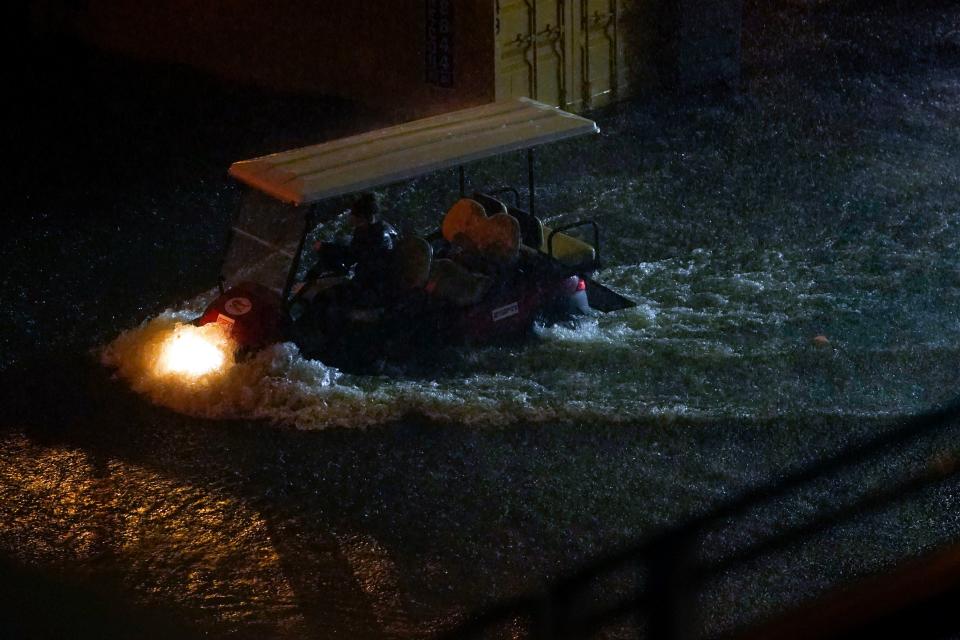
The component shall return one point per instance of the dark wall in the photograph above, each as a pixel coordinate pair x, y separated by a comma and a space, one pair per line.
370, 51
708, 42
684, 44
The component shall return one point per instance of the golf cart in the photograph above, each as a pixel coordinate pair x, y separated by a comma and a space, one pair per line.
488, 271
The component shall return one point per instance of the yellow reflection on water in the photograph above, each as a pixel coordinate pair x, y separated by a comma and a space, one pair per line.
171, 541
195, 545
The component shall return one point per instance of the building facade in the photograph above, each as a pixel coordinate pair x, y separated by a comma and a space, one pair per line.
421, 57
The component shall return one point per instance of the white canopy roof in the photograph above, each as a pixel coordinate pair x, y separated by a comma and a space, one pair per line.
405, 151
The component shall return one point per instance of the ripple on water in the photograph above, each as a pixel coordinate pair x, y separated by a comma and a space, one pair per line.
706, 340
723, 328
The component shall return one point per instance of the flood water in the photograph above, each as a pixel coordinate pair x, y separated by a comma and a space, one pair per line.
794, 251
834, 294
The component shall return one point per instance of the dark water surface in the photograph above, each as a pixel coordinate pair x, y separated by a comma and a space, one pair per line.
289, 499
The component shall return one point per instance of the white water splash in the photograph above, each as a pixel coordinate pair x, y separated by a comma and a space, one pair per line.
279, 385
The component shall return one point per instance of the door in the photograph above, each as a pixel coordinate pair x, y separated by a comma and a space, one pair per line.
531, 40
562, 52
597, 36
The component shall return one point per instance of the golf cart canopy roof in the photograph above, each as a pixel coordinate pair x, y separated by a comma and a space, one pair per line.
402, 152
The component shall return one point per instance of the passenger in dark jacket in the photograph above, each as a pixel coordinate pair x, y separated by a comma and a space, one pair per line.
370, 249
373, 243
369, 255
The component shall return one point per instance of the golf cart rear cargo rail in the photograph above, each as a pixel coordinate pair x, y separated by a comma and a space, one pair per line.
594, 263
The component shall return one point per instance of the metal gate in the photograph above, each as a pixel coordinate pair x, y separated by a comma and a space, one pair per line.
562, 52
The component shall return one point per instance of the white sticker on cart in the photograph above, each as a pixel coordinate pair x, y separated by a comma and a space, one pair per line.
226, 321
506, 311
238, 306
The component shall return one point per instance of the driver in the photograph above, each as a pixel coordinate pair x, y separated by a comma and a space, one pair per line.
371, 247
374, 239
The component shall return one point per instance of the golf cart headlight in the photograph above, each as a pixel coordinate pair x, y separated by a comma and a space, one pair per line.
192, 352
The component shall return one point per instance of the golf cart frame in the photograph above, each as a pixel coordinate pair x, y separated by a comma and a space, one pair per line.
308, 177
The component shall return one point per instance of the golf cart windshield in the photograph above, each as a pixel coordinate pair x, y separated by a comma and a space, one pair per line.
265, 238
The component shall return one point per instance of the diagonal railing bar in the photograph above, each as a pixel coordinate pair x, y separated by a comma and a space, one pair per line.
849, 511
912, 427
667, 573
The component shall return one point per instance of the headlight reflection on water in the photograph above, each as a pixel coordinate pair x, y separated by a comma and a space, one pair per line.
192, 352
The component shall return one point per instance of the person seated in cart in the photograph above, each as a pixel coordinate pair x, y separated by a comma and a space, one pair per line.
370, 252
485, 281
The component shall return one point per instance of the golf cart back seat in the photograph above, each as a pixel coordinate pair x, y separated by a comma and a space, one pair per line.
495, 238
570, 251
531, 230
412, 262
415, 268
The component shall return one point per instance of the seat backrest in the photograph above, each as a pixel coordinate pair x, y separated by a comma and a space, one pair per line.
531, 229
412, 260
492, 205
495, 237
461, 220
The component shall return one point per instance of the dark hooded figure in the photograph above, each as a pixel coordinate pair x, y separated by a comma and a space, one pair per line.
369, 255
373, 238
373, 242
370, 247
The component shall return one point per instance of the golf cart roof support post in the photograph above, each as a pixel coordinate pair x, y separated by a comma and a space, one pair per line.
228, 240
295, 263
530, 179
463, 182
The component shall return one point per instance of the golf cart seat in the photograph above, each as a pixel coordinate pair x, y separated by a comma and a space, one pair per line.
568, 250
531, 229
495, 238
412, 262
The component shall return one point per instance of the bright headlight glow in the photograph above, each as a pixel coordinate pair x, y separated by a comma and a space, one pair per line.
193, 352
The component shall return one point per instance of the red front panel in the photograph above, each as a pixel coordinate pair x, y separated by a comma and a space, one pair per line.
251, 313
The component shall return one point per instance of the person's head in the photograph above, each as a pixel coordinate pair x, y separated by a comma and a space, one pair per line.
365, 210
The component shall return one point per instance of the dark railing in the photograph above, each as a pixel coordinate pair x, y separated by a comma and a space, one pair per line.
669, 570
